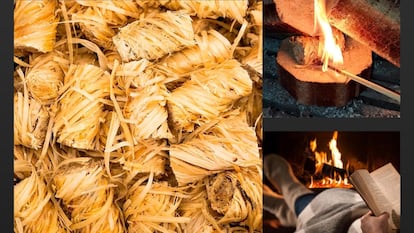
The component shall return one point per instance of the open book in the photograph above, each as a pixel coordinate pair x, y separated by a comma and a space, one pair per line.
381, 191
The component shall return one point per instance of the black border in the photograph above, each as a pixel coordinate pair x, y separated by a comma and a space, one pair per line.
6, 112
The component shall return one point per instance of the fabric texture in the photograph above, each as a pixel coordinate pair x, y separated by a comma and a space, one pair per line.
302, 202
332, 211
280, 174
277, 206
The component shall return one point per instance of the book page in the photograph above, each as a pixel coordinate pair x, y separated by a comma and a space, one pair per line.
370, 192
388, 180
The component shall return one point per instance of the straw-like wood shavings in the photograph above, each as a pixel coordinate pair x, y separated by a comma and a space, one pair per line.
27, 159
95, 27
251, 106
211, 8
211, 48
236, 197
145, 108
152, 207
80, 109
229, 143
132, 74
116, 13
147, 112
156, 112
148, 156
30, 121
32, 206
34, 25
45, 78
88, 196
217, 202
154, 36
22, 165
208, 94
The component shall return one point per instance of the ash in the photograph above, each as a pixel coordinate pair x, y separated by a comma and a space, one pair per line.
278, 103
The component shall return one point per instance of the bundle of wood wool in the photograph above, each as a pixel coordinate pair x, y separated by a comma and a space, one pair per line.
211, 8
22, 164
45, 78
99, 20
148, 156
134, 74
80, 109
30, 121
229, 143
32, 206
236, 197
211, 48
88, 196
93, 24
116, 13
225, 202
152, 206
147, 112
145, 108
25, 159
208, 94
196, 207
35, 25
154, 36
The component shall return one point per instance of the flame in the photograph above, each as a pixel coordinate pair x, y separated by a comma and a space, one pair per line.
331, 50
321, 158
336, 155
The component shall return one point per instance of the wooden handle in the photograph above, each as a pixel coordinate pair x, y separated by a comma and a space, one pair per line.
393, 95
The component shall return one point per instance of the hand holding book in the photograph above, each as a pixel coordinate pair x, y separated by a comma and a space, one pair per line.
381, 191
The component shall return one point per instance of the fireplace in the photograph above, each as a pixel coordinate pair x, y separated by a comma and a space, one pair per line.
359, 150
295, 86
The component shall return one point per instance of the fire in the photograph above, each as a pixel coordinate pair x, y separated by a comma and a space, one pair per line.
321, 160
330, 50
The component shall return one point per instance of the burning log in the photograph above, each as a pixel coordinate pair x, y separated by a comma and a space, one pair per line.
306, 48
310, 85
329, 170
375, 24
371, 22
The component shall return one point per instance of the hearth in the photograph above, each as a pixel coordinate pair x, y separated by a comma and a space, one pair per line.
294, 84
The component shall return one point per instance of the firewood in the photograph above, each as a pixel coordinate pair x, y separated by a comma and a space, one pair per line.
273, 24
372, 23
310, 86
306, 49
375, 24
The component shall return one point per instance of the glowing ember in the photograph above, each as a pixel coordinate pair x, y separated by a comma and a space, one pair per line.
330, 50
321, 161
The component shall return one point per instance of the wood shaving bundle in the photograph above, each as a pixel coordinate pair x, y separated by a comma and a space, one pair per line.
82, 186
30, 120
215, 89
37, 32
137, 116
210, 9
155, 36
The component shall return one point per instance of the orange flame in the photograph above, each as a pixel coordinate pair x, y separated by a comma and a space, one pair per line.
321, 158
331, 50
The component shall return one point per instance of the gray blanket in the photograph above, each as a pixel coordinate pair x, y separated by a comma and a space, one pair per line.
332, 211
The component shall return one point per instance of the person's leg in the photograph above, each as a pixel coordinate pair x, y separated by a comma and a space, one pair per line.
276, 205
280, 174
302, 202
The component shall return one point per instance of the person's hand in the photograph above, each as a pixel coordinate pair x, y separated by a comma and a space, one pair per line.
373, 224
